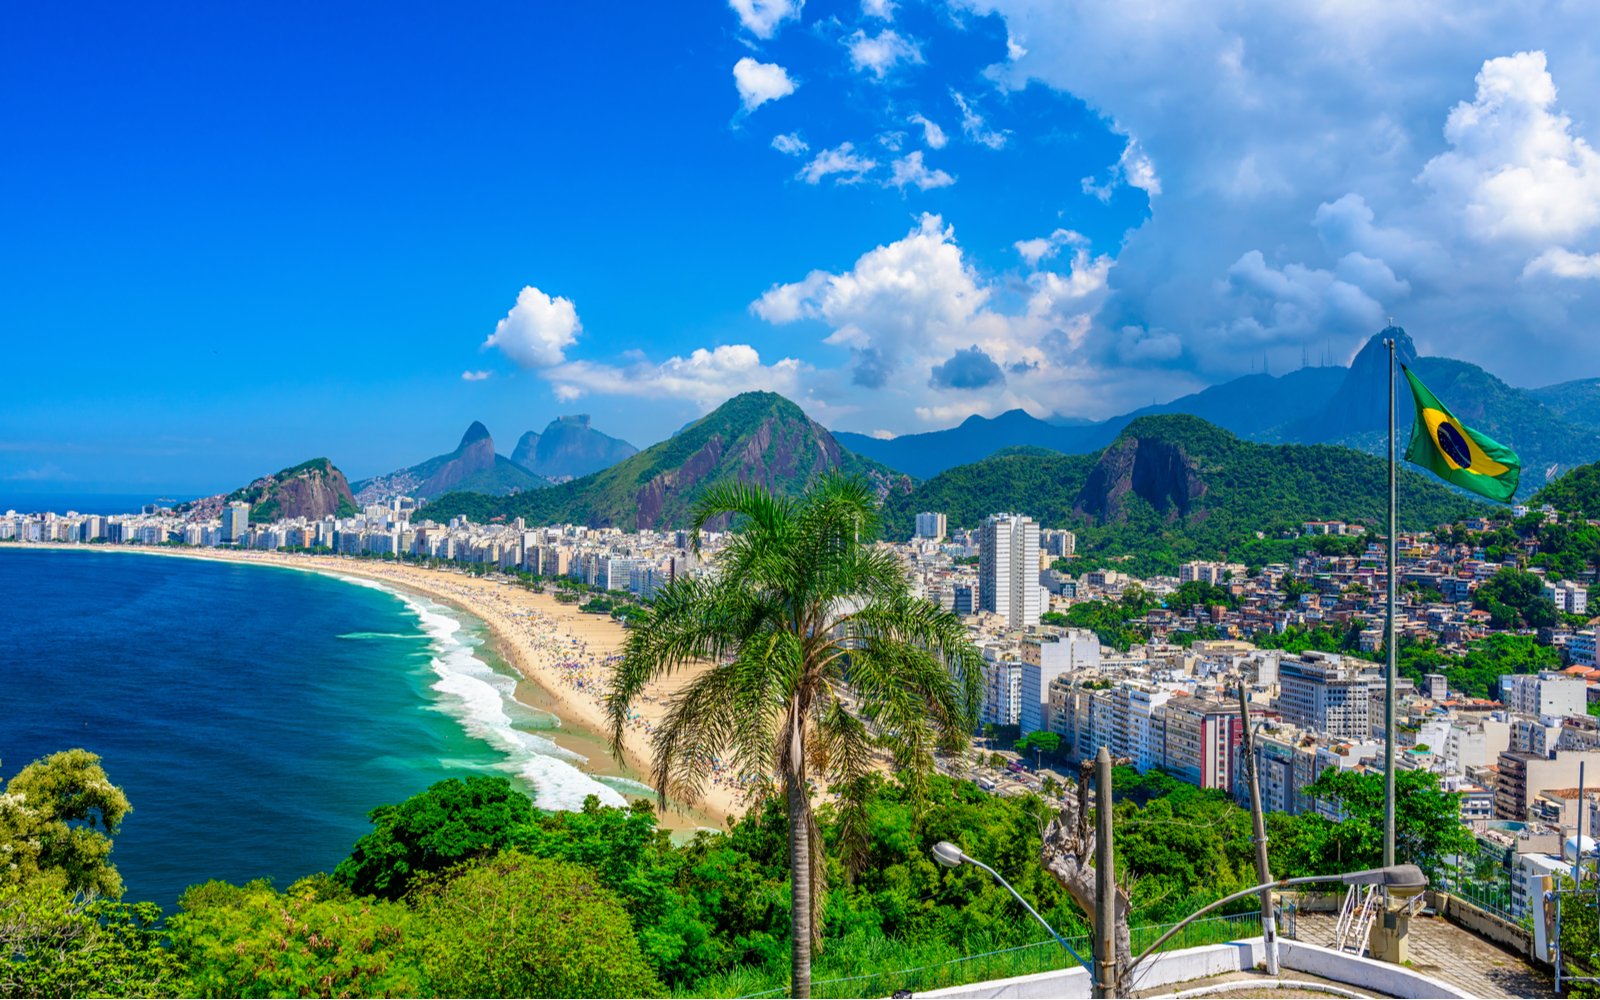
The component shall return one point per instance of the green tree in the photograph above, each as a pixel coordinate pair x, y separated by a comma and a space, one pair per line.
1428, 830
520, 926
58, 815
250, 941
801, 621
1514, 597
454, 820
1046, 743
58, 944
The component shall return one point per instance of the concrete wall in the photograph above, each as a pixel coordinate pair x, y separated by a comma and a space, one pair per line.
1174, 968
1343, 967
1485, 924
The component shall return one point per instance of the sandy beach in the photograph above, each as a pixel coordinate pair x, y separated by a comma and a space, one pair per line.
566, 654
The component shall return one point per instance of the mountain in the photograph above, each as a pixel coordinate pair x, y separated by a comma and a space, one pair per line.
312, 490
1545, 440
569, 448
1577, 401
756, 437
1247, 406
1174, 487
473, 466
1576, 492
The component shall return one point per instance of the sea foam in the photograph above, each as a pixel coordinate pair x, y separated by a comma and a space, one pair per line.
483, 701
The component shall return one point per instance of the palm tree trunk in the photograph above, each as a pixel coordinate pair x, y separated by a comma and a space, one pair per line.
800, 887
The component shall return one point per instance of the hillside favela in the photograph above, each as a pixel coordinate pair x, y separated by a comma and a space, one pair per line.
927, 498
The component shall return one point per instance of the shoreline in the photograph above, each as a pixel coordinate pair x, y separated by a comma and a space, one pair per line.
561, 652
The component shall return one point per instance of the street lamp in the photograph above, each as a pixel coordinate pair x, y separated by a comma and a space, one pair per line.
951, 856
1401, 881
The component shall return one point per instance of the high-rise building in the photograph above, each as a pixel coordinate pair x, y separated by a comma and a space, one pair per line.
235, 522
1202, 741
931, 526
1320, 694
1002, 694
1545, 694
1008, 569
1043, 660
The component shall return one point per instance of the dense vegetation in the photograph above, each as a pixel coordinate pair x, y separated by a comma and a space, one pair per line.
467, 890
1225, 499
755, 436
1577, 492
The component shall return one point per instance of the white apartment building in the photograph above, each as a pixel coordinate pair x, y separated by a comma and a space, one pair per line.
1572, 598
235, 522
1544, 694
1581, 649
1045, 658
1318, 693
1008, 569
1002, 693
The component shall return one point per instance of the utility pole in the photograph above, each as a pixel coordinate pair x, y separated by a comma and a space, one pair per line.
1105, 882
1388, 643
1269, 926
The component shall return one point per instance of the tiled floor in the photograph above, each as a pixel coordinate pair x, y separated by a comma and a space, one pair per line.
1444, 951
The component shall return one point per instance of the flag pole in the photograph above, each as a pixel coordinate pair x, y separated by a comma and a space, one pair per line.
1389, 646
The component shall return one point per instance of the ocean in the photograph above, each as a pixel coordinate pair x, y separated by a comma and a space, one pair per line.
254, 714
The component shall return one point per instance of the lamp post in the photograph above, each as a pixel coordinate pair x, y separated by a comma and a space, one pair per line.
951, 856
1398, 880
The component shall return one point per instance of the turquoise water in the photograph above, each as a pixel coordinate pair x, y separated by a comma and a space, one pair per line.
253, 714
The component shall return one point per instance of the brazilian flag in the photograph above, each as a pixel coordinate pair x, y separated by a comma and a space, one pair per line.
1455, 452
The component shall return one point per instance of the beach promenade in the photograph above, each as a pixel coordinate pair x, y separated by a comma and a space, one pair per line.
566, 654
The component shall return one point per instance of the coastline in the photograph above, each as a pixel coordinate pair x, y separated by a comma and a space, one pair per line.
559, 650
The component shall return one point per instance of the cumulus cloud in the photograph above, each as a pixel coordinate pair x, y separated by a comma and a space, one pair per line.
883, 10
967, 369
918, 321
1561, 263
1515, 166
910, 170
1043, 247
538, 329
475, 376
790, 144
842, 163
879, 54
705, 377
932, 135
763, 18
760, 82
1316, 168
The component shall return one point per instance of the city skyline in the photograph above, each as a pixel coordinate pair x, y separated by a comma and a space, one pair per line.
247, 238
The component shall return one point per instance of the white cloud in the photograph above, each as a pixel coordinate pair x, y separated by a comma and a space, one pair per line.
841, 162
762, 18
538, 329
932, 135
973, 125
1561, 263
879, 54
910, 170
760, 82
475, 376
790, 144
1351, 148
705, 377
1514, 167
883, 10
1034, 250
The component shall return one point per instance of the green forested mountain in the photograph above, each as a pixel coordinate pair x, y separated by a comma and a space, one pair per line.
1175, 487
1577, 401
756, 437
312, 490
1577, 492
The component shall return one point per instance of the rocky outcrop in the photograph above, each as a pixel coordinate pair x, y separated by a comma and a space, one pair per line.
679, 483
570, 448
1157, 471
312, 490
474, 454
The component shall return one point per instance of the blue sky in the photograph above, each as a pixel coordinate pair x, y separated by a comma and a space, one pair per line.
237, 237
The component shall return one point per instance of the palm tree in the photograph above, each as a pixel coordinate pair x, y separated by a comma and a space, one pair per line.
817, 655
